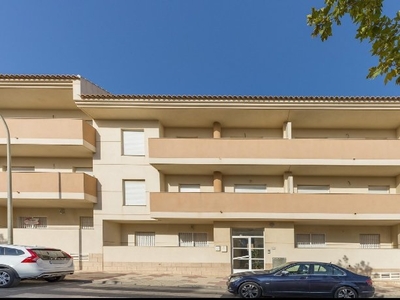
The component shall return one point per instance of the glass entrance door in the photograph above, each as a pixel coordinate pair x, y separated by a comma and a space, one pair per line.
247, 250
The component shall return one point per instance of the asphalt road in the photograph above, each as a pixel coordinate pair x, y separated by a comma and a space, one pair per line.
78, 289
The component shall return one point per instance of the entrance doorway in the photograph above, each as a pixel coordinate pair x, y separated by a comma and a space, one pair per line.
247, 249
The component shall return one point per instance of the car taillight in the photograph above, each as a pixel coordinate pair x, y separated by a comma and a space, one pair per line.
31, 259
369, 282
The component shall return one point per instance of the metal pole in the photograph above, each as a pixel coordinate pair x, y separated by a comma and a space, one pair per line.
9, 188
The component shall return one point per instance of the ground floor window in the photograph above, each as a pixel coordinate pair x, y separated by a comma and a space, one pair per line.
192, 239
145, 239
32, 222
87, 223
370, 241
310, 240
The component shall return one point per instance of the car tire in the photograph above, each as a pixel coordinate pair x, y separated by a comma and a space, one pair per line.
346, 292
54, 279
250, 290
8, 278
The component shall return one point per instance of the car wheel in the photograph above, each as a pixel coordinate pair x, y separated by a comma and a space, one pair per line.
54, 279
8, 278
250, 290
346, 292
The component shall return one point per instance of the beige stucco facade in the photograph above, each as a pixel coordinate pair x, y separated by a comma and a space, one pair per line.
230, 183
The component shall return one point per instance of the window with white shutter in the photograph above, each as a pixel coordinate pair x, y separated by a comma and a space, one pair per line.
250, 188
133, 142
189, 188
377, 189
135, 192
145, 239
313, 189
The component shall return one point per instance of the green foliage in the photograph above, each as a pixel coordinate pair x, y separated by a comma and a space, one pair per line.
382, 32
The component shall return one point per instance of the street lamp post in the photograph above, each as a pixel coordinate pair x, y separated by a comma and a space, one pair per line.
9, 187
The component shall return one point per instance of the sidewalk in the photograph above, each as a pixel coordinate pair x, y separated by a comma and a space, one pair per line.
384, 288
199, 281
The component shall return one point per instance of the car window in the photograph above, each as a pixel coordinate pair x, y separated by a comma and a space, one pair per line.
10, 251
328, 270
298, 269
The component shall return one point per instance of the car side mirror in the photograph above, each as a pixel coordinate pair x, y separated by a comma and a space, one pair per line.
284, 273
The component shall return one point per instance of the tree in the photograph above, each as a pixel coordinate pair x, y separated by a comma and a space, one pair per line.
381, 31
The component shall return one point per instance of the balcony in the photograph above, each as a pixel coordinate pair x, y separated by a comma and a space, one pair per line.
294, 207
77, 190
49, 138
312, 157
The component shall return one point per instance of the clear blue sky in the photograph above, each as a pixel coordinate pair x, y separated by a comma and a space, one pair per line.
188, 47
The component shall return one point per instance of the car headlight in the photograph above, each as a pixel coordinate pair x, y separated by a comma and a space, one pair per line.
235, 278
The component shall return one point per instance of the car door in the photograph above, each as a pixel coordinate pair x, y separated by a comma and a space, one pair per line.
323, 279
291, 281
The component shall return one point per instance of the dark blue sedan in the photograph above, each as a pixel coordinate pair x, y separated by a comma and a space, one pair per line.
301, 279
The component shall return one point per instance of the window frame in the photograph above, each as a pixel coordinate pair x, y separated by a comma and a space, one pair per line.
312, 240
135, 201
313, 189
367, 240
189, 188
250, 188
148, 235
133, 145
86, 222
41, 222
194, 240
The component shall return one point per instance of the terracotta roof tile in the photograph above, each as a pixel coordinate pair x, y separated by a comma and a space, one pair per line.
38, 76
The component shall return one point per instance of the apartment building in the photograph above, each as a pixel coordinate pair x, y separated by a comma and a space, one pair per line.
200, 184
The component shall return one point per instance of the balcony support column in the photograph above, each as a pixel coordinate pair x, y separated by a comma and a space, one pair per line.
287, 130
217, 182
398, 184
288, 182
216, 130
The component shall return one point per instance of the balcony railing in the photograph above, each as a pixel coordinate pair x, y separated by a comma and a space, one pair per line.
338, 149
49, 138
73, 189
241, 206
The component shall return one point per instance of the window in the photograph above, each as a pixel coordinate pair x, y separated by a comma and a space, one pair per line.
250, 188
83, 170
10, 251
87, 223
189, 188
313, 189
133, 142
376, 189
145, 239
32, 222
297, 269
310, 240
135, 192
20, 168
327, 270
370, 241
192, 239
